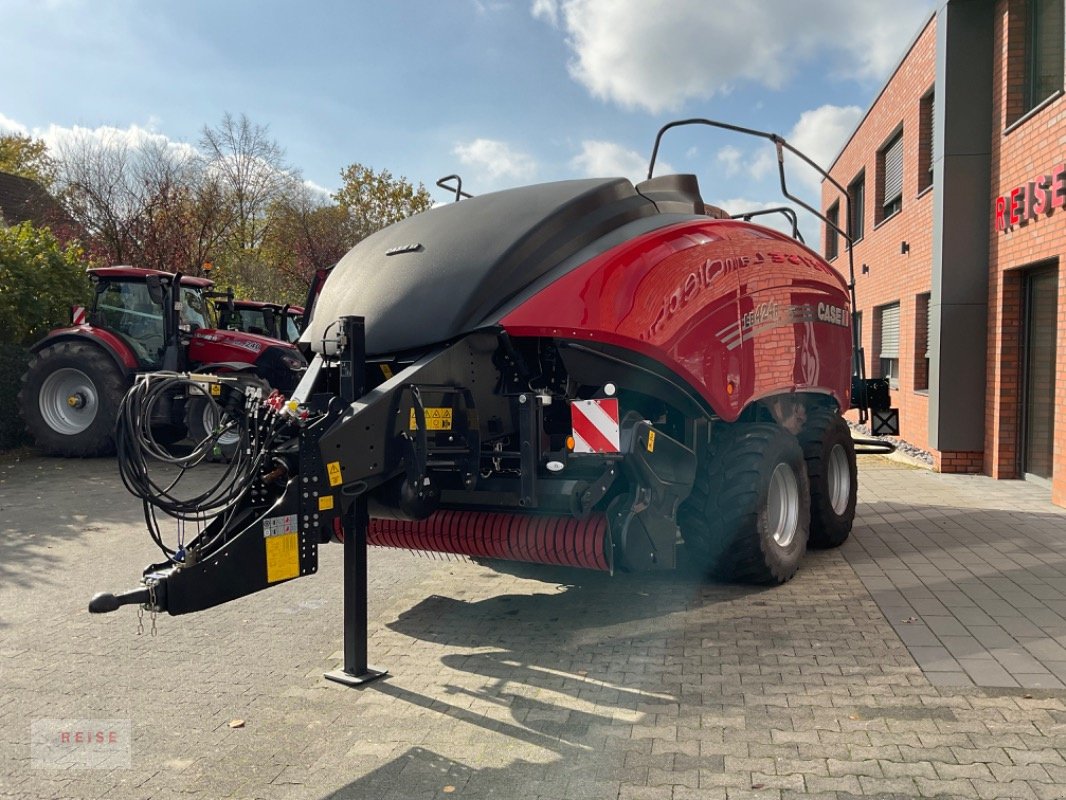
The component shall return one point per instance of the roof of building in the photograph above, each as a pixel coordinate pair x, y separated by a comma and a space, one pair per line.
25, 200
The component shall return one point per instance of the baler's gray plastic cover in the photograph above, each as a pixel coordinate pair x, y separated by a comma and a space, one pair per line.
444, 272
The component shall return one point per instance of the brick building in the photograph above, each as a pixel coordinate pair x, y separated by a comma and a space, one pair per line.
957, 183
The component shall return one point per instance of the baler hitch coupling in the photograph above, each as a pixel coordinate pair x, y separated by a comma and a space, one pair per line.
105, 602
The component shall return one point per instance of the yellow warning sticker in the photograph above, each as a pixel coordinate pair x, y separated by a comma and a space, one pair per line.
325, 503
437, 419
215, 389
333, 468
386, 370
651, 441
282, 548
283, 557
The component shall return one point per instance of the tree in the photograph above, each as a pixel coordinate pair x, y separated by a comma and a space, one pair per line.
308, 233
39, 282
374, 200
253, 174
149, 204
28, 158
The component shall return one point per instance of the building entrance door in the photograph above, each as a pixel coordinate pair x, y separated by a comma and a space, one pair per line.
1038, 407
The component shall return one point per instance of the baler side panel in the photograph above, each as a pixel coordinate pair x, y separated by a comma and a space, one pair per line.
689, 296
795, 326
665, 295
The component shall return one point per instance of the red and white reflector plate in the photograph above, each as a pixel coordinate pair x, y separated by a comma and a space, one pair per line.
595, 426
77, 314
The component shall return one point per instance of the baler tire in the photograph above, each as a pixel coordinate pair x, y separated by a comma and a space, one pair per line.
732, 521
830, 455
77, 369
197, 415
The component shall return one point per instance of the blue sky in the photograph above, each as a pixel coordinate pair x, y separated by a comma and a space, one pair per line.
504, 92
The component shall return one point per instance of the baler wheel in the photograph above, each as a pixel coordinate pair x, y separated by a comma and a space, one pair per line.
69, 400
748, 516
830, 454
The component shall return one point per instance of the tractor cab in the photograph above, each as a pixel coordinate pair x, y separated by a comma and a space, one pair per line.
266, 319
130, 302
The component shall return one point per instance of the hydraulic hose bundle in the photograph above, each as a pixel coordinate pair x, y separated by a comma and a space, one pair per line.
154, 471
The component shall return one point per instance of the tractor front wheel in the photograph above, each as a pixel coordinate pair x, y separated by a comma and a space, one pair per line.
70, 398
748, 516
202, 418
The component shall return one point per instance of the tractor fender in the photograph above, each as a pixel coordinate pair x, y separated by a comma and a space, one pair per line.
108, 342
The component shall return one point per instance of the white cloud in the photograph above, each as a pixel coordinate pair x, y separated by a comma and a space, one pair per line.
547, 10
730, 159
8, 125
495, 161
59, 137
779, 222
317, 190
819, 134
657, 56
763, 163
602, 159
489, 6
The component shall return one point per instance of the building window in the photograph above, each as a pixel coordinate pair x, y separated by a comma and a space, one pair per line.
888, 346
926, 142
923, 309
857, 193
1043, 51
833, 222
890, 177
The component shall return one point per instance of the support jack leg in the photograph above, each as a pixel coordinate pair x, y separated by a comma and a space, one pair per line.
355, 671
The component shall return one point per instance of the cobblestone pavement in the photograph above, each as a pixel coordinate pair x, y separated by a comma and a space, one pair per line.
971, 573
529, 683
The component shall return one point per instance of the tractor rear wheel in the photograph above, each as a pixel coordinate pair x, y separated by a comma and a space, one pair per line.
830, 454
202, 416
70, 398
748, 516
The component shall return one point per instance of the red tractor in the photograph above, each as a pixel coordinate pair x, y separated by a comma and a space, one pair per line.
140, 321
276, 320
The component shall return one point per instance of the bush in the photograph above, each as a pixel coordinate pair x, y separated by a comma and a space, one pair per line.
13, 360
39, 282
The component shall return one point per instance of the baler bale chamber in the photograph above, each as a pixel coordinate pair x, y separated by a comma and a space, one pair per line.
587, 373
596, 353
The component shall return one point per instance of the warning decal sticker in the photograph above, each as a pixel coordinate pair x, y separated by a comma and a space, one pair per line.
282, 548
333, 468
437, 419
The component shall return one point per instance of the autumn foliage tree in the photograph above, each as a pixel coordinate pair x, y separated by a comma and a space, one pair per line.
232, 201
28, 158
374, 200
